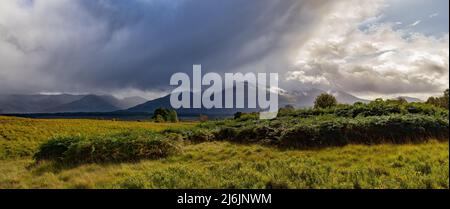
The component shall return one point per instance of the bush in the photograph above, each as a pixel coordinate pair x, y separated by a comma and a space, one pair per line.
391, 121
165, 115
325, 101
226, 133
56, 147
394, 129
201, 135
116, 148
374, 108
441, 101
246, 116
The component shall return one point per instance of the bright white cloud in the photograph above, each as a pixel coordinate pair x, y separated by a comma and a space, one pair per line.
378, 60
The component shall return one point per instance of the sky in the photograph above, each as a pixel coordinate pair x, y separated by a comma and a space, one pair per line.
377, 48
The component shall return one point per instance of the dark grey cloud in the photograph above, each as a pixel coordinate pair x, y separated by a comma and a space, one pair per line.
107, 45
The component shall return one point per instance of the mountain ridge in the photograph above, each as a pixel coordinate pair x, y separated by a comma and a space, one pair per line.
38, 103
298, 99
43, 103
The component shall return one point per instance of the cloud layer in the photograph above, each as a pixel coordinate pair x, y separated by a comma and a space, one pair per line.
104, 46
364, 56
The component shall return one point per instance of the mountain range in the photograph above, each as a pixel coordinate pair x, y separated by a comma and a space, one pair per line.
68, 103
298, 99
65, 103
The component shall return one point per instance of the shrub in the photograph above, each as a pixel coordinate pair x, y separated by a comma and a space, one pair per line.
395, 129
201, 135
165, 115
379, 121
196, 134
441, 101
374, 108
116, 148
56, 147
226, 133
246, 116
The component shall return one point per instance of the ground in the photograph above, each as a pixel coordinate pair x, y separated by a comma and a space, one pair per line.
220, 164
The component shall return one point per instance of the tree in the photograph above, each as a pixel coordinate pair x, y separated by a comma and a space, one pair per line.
433, 101
440, 101
445, 100
165, 115
173, 116
325, 101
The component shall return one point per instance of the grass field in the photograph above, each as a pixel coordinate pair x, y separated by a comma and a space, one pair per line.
217, 164
20, 137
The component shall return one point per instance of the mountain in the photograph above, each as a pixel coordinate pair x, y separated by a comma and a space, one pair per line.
64, 103
33, 103
150, 106
306, 97
89, 103
98, 103
300, 98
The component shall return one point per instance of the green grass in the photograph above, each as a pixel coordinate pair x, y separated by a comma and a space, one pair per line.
217, 164
227, 165
20, 137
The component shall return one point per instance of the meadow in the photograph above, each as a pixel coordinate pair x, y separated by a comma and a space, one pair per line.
375, 145
20, 137
230, 165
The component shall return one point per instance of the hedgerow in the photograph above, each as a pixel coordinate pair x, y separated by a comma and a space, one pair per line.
373, 123
126, 146
396, 129
333, 130
374, 108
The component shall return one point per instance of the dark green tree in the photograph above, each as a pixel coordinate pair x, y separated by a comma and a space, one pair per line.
165, 115
325, 101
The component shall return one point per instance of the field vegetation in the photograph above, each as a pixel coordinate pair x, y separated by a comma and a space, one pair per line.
21, 137
231, 165
382, 144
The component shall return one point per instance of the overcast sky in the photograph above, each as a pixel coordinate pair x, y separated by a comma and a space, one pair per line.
368, 48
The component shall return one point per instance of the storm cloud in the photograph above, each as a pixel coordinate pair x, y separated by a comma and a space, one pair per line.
106, 46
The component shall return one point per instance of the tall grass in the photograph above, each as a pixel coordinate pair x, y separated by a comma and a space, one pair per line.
231, 165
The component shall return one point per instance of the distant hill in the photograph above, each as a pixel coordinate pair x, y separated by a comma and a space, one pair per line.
304, 98
33, 103
89, 103
106, 103
150, 106
64, 103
